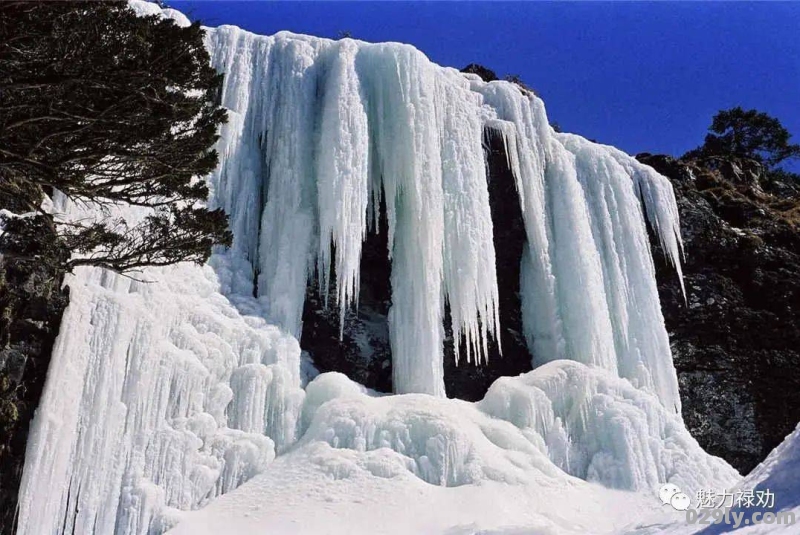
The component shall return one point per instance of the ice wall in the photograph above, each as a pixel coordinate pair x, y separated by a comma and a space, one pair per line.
165, 389
319, 131
158, 394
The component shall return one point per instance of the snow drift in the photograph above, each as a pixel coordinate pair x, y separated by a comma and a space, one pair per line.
162, 396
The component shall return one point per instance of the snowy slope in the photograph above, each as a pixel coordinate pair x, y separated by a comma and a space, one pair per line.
322, 490
163, 395
297, 496
780, 474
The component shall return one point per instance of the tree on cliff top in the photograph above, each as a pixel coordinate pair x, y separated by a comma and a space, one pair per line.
747, 134
108, 107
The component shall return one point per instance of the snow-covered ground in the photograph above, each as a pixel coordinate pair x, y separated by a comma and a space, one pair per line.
319, 490
418, 464
180, 402
779, 476
298, 496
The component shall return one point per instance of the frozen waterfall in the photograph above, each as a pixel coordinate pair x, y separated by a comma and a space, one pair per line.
162, 396
321, 130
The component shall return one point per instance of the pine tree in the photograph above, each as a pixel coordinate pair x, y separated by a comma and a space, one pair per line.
108, 107
748, 134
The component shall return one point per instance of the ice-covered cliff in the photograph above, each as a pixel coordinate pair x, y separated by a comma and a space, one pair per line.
163, 395
320, 130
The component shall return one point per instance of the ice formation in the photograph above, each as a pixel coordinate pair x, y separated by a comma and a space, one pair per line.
163, 395
563, 415
159, 395
321, 130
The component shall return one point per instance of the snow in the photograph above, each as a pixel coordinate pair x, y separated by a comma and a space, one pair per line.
394, 502
583, 420
544, 449
5, 215
184, 390
321, 488
778, 474
8, 214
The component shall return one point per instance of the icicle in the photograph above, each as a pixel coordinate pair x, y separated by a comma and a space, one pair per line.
469, 256
401, 89
289, 219
541, 318
342, 175
386, 124
661, 209
576, 265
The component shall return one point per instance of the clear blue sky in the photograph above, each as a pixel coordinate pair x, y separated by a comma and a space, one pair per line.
641, 76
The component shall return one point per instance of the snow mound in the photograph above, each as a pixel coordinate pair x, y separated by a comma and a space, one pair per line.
525, 437
144, 8
564, 415
600, 428
321, 490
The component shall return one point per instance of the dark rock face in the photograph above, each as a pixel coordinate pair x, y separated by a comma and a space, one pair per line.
363, 351
32, 302
487, 75
736, 342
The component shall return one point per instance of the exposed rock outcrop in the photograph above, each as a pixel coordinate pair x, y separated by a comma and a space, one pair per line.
360, 346
736, 341
487, 75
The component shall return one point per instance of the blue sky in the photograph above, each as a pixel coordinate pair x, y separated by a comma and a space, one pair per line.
641, 76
